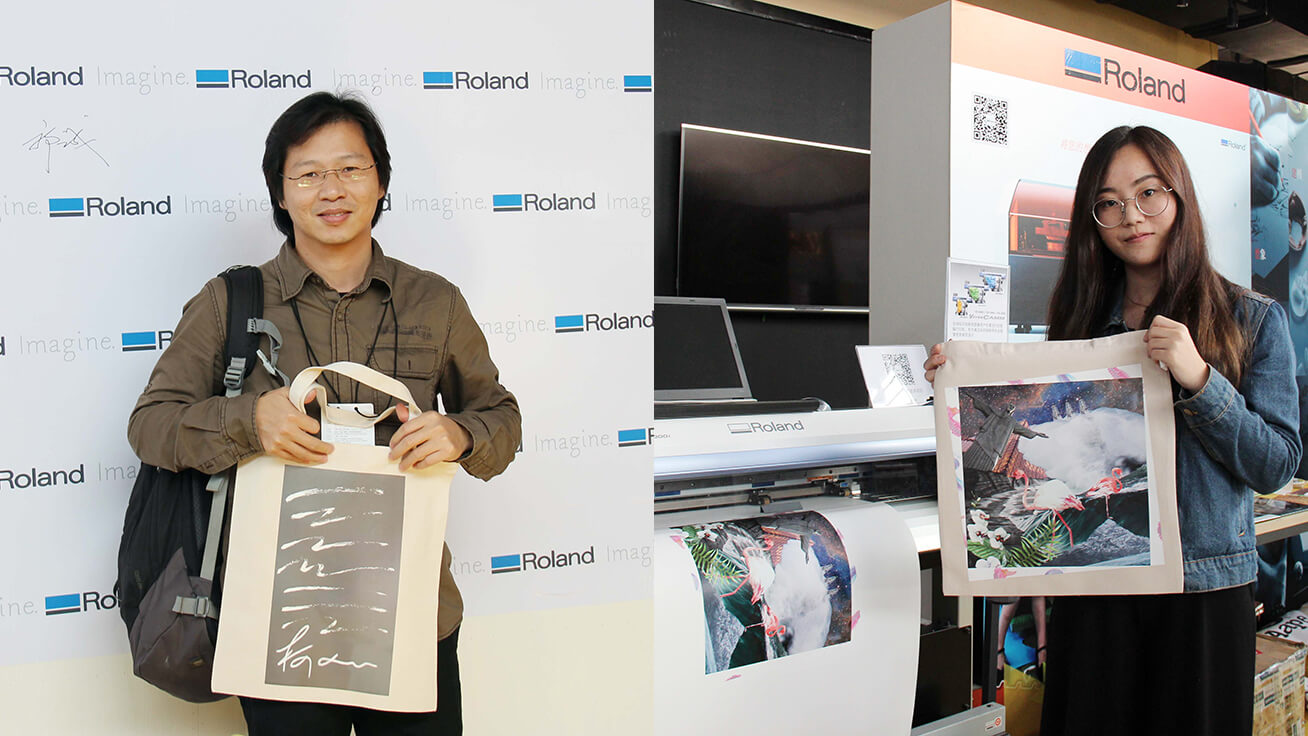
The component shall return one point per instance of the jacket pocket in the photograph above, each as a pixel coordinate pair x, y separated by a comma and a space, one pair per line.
415, 361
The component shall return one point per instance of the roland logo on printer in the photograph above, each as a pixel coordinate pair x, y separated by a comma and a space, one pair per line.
765, 427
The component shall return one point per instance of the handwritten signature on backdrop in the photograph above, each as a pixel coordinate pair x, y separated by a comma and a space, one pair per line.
52, 138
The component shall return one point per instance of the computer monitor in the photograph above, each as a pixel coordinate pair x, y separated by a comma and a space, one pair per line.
695, 352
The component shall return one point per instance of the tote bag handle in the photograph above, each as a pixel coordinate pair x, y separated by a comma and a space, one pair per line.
307, 380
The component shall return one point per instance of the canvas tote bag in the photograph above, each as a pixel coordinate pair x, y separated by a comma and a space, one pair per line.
1056, 464
330, 589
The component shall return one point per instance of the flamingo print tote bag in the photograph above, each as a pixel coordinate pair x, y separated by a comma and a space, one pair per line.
1057, 469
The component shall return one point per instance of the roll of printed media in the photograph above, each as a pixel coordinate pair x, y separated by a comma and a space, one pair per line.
763, 621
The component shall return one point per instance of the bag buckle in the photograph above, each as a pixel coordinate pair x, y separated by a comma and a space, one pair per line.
234, 376
197, 606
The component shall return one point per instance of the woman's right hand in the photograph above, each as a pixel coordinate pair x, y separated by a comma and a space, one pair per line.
935, 359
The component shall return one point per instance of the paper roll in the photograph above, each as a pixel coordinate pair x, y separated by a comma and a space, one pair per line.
764, 623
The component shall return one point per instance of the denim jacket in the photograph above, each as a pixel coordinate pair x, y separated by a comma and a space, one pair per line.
1229, 441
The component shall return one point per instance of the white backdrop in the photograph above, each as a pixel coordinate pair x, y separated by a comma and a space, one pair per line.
102, 105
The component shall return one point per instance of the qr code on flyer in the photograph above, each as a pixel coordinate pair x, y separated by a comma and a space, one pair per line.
989, 120
896, 364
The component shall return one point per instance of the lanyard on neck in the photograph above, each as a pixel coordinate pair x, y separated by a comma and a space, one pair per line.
388, 305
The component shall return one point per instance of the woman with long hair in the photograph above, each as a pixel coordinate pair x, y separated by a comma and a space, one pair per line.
1137, 259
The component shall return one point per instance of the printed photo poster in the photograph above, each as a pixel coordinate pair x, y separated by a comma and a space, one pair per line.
1278, 225
755, 618
977, 305
1054, 477
1282, 587
773, 586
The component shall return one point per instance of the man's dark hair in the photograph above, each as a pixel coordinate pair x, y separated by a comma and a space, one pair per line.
302, 120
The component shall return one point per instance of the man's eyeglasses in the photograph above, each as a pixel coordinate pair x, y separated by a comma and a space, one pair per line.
345, 174
1151, 201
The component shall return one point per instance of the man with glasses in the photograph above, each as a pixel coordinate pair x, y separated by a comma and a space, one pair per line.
334, 295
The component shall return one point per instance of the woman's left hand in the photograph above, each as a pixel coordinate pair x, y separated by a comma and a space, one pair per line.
1168, 342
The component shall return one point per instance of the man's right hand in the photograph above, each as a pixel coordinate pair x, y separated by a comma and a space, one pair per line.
286, 432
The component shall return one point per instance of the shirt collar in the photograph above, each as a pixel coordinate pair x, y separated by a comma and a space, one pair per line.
293, 272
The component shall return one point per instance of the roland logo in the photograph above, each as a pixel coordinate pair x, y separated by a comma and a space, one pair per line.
478, 81
33, 77
1139, 82
538, 202
765, 427
21, 478
252, 79
553, 559
1109, 72
109, 207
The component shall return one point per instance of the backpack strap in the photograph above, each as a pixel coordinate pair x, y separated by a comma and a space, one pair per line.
244, 325
264, 327
244, 303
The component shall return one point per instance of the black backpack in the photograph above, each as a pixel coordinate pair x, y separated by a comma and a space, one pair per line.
172, 532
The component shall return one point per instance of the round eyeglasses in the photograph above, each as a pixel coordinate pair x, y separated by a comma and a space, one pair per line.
1151, 201
345, 174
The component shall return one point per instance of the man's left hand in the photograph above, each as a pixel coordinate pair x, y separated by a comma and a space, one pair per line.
427, 439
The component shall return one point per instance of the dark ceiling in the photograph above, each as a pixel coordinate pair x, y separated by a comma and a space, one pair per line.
1265, 37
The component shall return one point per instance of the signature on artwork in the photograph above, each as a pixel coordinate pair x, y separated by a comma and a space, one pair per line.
52, 137
293, 658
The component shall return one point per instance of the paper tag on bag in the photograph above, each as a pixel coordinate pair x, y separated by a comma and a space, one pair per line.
340, 434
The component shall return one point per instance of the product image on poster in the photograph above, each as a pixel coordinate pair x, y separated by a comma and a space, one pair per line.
1053, 472
772, 586
1038, 219
1278, 154
336, 582
977, 307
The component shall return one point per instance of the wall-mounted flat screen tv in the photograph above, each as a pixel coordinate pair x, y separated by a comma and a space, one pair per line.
772, 221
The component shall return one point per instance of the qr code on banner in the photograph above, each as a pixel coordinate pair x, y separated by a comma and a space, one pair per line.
989, 120
896, 364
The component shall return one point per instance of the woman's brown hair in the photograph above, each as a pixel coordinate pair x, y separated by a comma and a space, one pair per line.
1191, 292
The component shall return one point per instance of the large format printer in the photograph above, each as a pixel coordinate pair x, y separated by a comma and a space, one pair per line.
711, 468
720, 456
